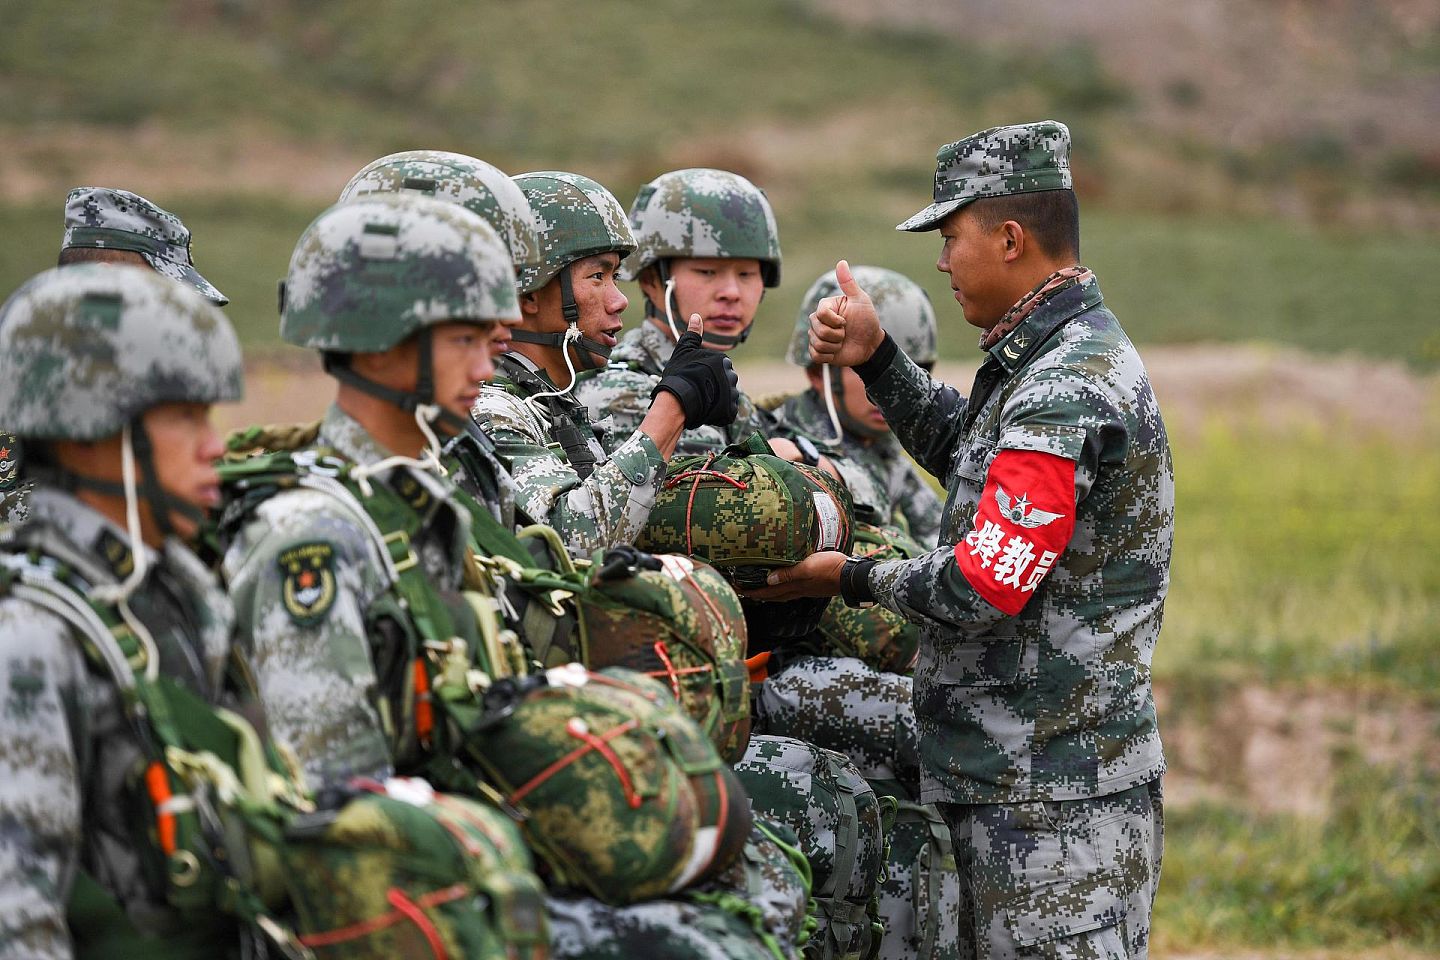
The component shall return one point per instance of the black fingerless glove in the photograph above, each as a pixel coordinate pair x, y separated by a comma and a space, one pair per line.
703, 381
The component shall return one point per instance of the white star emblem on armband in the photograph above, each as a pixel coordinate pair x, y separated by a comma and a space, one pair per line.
1020, 513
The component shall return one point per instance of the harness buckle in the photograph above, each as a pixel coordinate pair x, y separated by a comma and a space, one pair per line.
407, 558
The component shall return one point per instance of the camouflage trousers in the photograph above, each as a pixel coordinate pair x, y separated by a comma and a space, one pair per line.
1065, 879
586, 929
755, 909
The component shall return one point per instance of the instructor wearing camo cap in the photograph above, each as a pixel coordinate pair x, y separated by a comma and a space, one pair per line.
1041, 606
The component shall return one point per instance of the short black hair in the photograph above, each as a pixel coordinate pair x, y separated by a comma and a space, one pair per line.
1050, 217
70, 255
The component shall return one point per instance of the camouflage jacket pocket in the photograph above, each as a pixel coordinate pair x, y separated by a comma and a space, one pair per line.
979, 663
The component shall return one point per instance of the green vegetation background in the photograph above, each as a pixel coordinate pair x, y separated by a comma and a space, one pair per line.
1304, 560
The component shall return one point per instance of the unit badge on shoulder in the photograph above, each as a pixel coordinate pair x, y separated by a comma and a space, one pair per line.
307, 572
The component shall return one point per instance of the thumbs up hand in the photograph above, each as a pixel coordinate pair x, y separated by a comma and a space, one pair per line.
844, 330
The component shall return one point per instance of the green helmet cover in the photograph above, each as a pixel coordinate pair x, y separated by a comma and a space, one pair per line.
477, 186
576, 218
370, 273
902, 305
86, 349
701, 212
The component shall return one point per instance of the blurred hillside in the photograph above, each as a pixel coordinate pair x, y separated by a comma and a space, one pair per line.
1250, 170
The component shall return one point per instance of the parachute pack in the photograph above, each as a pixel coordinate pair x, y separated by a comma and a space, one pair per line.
747, 512
841, 826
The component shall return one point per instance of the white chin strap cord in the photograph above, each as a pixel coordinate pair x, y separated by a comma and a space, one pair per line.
830, 403
429, 458
669, 310
572, 336
119, 593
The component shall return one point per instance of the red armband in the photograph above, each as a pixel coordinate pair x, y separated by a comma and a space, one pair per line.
1022, 525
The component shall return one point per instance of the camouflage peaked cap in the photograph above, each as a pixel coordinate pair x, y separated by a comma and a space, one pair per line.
479, 187
576, 218
120, 220
87, 348
369, 273
902, 305
703, 213
1025, 158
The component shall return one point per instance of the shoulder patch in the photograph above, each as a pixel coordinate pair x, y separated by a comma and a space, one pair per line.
307, 575
115, 552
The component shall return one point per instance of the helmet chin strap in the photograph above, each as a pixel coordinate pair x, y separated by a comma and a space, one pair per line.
338, 366
429, 459
118, 594
571, 337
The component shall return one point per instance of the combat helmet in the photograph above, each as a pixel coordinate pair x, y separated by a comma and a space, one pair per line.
700, 212
576, 218
86, 349
366, 275
905, 312
479, 187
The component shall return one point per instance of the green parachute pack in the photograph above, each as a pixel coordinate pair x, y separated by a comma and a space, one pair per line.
470, 715
747, 512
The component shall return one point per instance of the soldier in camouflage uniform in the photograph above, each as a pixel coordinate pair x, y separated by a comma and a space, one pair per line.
706, 244
105, 225
408, 357
1042, 605
848, 419
102, 368
572, 312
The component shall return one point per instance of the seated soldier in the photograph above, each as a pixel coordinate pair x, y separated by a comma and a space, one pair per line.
571, 309
835, 410
109, 375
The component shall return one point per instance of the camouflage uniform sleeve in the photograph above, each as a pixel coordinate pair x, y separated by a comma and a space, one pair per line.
40, 776
919, 504
1052, 411
312, 660
608, 507
923, 413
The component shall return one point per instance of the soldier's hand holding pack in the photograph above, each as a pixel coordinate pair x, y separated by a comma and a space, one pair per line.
703, 380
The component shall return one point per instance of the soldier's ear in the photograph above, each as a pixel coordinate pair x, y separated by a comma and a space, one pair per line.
1013, 236
529, 304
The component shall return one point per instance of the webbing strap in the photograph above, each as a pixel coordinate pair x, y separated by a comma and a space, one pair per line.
567, 432
847, 837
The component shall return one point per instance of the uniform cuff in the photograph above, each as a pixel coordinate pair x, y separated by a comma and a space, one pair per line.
879, 361
855, 582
